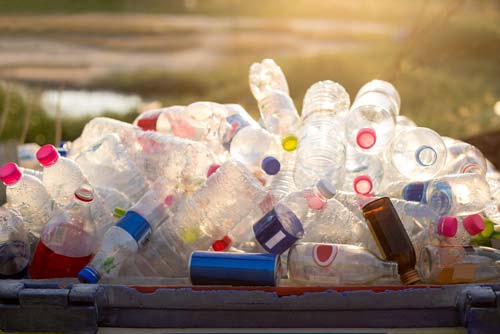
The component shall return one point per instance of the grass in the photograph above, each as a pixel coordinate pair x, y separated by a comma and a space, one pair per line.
447, 73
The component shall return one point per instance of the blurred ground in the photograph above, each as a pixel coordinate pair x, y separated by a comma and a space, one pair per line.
442, 55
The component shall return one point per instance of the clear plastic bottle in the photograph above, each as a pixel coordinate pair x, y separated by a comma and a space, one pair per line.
257, 149
32, 172
371, 120
363, 173
27, 195
453, 195
459, 232
129, 234
277, 110
14, 245
280, 227
61, 176
67, 241
463, 158
106, 164
283, 183
416, 153
404, 121
338, 264
321, 150
458, 264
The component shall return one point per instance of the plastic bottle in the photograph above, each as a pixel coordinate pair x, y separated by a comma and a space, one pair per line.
459, 194
279, 228
338, 264
363, 173
458, 264
67, 241
27, 195
14, 245
404, 121
463, 158
129, 234
371, 120
459, 232
283, 183
321, 150
106, 164
277, 110
337, 224
61, 176
257, 149
416, 153
391, 237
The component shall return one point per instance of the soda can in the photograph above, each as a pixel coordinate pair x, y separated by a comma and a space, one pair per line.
237, 269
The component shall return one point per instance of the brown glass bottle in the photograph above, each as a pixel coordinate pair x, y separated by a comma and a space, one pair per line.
391, 237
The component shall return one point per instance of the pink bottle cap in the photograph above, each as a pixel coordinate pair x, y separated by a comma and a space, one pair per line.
212, 169
47, 155
366, 138
474, 224
222, 244
362, 184
447, 226
10, 173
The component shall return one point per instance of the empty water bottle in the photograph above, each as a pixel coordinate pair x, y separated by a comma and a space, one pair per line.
130, 233
321, 150
363, 173
14, 245
338, 264
283, 183
67, 241
459, 194
371, 120
463, 158
458, 264
277, 110
416, 153
26, 194
453, 231
61, 176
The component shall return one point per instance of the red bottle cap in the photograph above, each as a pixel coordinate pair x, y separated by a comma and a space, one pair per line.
84, 193
366, 138
47, 155
212, 169
222, 244
362, 184
474, 224
10, 173
447, 226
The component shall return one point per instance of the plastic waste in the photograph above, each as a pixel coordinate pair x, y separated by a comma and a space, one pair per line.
14, 245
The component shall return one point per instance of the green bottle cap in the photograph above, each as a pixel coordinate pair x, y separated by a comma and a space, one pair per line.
489, 228
119, 212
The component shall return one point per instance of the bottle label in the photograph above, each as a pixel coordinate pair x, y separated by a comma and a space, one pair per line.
324, 255
237, 123
272, 235
136, 226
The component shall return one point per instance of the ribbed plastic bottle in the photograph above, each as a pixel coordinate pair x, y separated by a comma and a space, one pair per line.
391, 237
458, 264
416, 153
258, 150
106, 164
338, 264
453, 231
371, 121
27, 195
14, 245
61, 176
129, 234
363, 173
277, 110
321, 150
453, 195
279, 228
67, 241
463, 158
283, 183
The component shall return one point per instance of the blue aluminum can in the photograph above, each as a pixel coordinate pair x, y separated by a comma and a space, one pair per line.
237, 269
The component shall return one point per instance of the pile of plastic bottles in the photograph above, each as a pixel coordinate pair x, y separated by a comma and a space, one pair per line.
342, 194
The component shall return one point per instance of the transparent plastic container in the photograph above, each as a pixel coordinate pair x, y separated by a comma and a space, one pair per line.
14, 245
463, 158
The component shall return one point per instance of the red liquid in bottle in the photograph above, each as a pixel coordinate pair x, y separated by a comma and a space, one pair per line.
48, 264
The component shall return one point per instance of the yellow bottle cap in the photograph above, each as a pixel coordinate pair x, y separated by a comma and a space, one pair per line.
289, 143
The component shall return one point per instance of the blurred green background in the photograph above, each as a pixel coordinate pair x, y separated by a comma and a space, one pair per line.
443, 57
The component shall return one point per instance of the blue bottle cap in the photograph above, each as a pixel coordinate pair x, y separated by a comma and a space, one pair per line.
415, 192
88, 275
62, 151
271, 165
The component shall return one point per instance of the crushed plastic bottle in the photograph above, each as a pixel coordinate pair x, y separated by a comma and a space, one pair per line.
14, 245
26, 194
